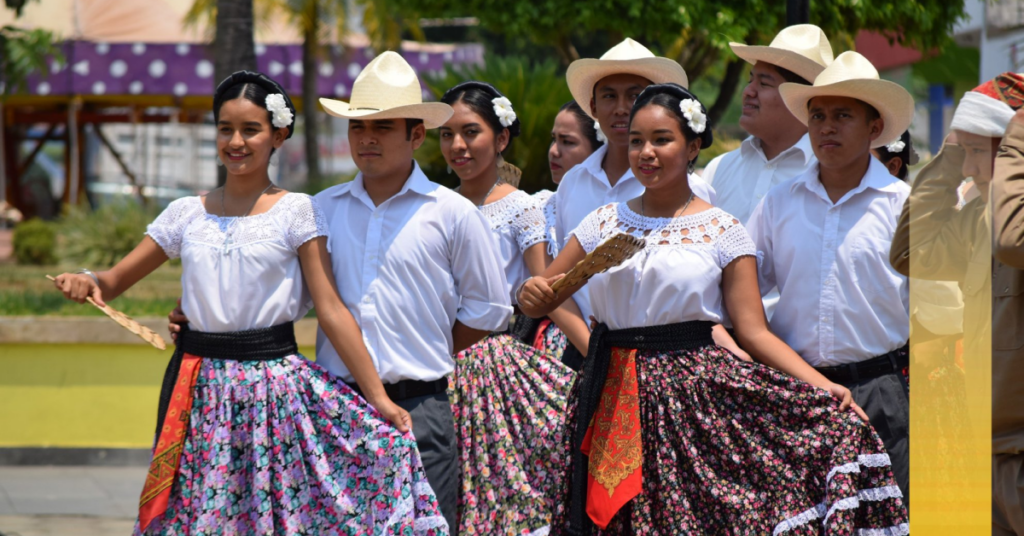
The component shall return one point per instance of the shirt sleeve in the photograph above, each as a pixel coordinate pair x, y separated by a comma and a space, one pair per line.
529, 223
710, 170
760, 231
307, 221
1008, 198
589, 232
168, 229
479, 279
734, 243
702, 189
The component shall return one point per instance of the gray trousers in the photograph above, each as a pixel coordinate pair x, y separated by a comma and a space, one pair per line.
433, 425
886, 400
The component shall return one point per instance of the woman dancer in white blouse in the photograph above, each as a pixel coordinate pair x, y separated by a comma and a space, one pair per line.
252, 438
669, 433
508, 398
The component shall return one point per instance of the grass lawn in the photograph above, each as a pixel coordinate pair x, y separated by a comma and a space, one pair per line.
25, 291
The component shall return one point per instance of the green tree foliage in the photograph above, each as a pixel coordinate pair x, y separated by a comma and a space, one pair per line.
697, 34
537, 91
24, 52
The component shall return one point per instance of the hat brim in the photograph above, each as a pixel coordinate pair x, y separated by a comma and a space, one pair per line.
806, 68
892, 101
433, 114
583, 74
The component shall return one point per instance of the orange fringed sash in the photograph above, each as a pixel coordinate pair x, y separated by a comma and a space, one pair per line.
612, 442
167, 454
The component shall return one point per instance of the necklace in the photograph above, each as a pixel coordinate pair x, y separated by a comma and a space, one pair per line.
685, 205
228, 240
489, 192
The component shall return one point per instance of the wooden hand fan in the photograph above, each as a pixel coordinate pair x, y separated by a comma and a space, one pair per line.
611, 253
126, 322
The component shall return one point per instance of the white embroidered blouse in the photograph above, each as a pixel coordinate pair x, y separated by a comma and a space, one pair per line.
678, 275
240, 273
547, 200
517, 223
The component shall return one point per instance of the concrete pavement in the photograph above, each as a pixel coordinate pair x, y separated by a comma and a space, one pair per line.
69, 501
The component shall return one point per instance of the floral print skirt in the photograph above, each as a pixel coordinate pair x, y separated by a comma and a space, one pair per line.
550, 339
509, 405
737, 448
282, 447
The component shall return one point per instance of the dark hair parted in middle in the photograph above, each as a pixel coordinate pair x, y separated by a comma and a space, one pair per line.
669, 96
253, 87
585, 122
479, 96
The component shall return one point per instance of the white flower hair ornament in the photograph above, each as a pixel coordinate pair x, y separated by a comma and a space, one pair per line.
600, 133
503, 109
896, 146
281, 115
694, 115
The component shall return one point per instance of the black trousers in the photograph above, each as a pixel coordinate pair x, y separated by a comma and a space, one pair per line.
886, 400
433, 425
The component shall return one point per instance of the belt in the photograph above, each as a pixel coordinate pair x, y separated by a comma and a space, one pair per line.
888, 363
406, 389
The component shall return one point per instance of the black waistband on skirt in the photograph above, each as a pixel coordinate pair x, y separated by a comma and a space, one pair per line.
263, 344
664, 338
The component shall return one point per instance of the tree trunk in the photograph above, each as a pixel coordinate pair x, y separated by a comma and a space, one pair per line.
310, 115
726, 90
566, 50
233, 46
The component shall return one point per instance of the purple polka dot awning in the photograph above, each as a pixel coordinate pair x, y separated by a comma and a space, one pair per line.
183, 69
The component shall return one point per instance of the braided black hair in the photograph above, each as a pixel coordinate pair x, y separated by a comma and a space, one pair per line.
253, 87
478, 96
669, 96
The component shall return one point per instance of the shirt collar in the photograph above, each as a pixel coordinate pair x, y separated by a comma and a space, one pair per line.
877, 178
593, 163
752, 146
417, 182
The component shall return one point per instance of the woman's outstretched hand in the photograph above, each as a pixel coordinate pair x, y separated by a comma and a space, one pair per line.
78, 287
393, 413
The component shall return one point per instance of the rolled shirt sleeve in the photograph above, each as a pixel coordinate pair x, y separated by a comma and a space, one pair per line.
479, 279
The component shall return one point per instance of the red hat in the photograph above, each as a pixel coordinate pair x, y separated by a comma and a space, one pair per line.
986, 110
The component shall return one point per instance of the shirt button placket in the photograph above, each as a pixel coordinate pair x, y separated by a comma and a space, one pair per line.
827, 303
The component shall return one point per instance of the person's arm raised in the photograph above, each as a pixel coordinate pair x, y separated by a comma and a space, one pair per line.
342, 330
566, 316
535, 297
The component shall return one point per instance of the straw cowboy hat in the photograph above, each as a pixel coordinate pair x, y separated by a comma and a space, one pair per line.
802, 48
852, 75
387, 88
627, 57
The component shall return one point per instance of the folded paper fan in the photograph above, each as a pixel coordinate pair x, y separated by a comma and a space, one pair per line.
131, 325
611, 253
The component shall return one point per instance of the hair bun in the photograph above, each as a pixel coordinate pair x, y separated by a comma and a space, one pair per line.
513, 129
254, 77
680, 92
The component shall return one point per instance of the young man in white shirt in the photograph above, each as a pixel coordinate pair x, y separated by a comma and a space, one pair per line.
824, 236
778, 148
414, 262
605, 88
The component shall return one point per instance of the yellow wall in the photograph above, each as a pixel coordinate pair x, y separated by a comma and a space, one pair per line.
80, 395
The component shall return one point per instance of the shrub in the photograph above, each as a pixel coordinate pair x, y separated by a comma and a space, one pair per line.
35, 242
99, 238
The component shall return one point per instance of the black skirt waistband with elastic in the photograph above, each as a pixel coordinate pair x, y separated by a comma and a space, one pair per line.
664, 338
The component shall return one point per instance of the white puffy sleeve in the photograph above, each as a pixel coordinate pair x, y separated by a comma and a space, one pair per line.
168, 229
306, 220
590, 231
734, 242
528, 222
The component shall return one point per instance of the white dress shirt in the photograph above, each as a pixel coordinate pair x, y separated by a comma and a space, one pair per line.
586, 187
840, 301
240, 273
407, 270
742, 177
678, 275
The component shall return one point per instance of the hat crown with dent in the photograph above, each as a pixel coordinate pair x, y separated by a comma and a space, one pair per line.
386, 82
806, 40
628, 49
848, 66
